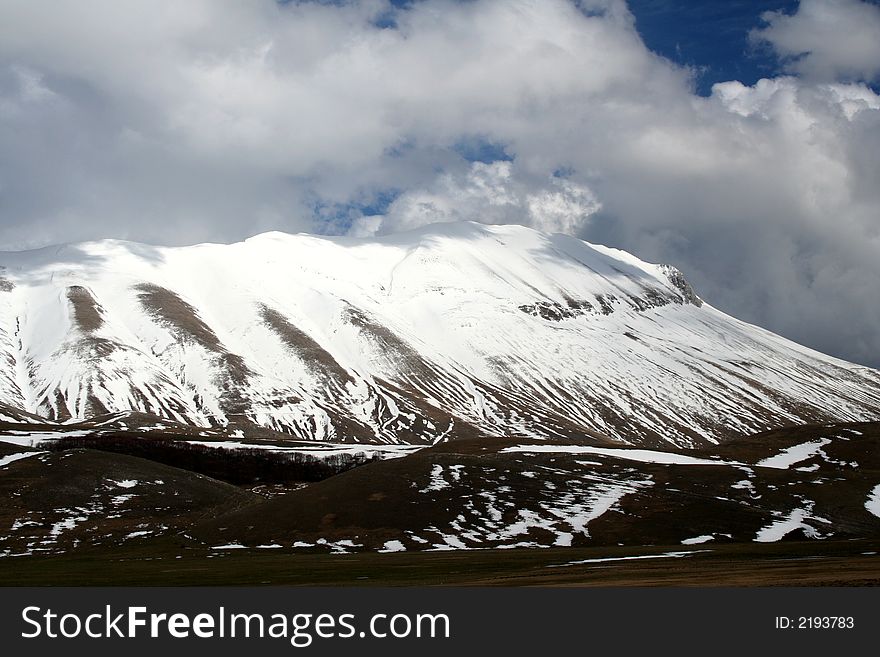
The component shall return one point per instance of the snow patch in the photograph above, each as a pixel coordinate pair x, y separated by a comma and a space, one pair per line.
64, 525
317, 450
640, 455
696, 540
795, 454
796, 519
31, 439
873, 503
437, 481
393, 546
665, 555
139, 533
11, 458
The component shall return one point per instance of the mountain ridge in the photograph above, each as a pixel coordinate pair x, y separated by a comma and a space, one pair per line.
450, 330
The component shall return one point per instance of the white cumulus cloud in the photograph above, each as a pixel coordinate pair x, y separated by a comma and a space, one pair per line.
177, 122
488, 193
826, 39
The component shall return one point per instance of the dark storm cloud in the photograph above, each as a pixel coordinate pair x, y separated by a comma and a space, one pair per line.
179, 122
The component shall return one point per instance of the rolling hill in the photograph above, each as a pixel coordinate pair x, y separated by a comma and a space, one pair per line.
451, 331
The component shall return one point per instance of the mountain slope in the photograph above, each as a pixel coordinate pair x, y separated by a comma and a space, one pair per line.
804, 482
56, 502
452, 330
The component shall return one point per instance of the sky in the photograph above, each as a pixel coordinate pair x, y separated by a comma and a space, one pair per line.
739, 140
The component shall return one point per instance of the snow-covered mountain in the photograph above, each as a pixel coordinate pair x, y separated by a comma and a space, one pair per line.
454, 329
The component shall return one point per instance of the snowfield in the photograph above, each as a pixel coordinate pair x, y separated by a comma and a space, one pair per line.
640, 455
873, 503
12, 458
448, 330
795, 454
320, 450
32, 439
795, 520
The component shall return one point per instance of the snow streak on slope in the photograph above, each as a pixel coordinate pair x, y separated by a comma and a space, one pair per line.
454, 329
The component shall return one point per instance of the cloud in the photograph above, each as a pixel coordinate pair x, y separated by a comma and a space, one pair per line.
826, 39
178, 122
488, 193
172, 122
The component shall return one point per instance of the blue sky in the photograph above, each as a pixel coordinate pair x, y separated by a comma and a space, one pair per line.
710, 36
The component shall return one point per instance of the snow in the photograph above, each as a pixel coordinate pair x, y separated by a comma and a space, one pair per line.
496, 517
142, 532
66, 524
229, 546
601, 500
18, 524
450, 542
873, 503
788, 457
393, 546
11, 458
745, 484
441, 313
640, 455
665, 555
319, 450
340, 547
696, 540
787, 523
126, 483
32, 439
437, 481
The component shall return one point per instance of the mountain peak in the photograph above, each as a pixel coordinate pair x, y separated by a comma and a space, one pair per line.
447, 330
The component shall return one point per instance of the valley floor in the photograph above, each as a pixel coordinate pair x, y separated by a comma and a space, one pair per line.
168, 563
798, 506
